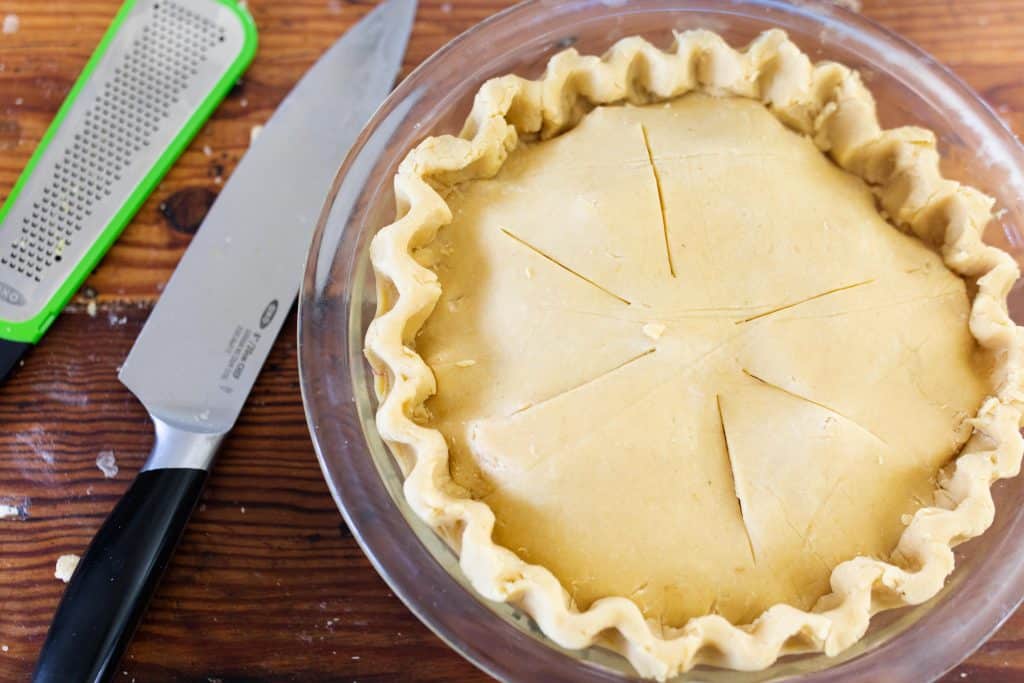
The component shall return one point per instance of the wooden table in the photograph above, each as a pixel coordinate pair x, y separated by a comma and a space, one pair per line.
268, 584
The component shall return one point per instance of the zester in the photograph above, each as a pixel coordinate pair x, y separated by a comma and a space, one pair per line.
160, 70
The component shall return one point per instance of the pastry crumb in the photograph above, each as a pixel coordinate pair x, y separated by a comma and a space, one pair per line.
254, 133
66, 565
90, 308
11, 509
654, 330
11, 24
207, 150
107, 464
465, 363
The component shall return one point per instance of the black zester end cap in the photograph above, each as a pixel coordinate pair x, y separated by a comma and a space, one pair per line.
10, 353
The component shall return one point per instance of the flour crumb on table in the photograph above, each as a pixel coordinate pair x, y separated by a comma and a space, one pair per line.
107, 464
254, 133
39, 442
66, 567
11, 24
10, 508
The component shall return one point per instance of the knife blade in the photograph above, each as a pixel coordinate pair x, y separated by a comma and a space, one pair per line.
201, 349
234, 285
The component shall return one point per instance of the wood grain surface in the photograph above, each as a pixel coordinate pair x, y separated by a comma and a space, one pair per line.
268, 584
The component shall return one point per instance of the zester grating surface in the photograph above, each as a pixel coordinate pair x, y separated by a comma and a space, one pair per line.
165, 60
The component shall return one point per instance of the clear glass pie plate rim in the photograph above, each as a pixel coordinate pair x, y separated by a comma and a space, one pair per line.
336, 304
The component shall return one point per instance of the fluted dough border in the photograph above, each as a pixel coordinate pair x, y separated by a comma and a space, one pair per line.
826, 102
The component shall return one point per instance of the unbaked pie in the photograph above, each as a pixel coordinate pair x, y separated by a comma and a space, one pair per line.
688, 358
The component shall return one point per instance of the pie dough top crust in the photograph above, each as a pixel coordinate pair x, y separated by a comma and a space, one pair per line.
678, 362
827, 350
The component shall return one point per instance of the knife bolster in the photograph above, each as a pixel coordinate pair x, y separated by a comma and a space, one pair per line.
178, 448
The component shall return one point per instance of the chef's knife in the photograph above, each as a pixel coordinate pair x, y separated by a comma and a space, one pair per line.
199, 353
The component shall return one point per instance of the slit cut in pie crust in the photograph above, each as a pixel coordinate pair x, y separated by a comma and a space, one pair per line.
657, 366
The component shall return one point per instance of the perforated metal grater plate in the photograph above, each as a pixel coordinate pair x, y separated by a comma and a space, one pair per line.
151, 82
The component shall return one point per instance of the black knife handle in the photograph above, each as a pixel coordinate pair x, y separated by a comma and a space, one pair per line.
111, 587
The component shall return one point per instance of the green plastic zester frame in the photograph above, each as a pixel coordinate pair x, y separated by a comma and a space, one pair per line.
160, 70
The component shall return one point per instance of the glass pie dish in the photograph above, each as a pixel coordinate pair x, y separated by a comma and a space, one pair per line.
337, 304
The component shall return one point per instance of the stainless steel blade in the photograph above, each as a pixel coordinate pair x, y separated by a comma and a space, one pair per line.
199, 353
